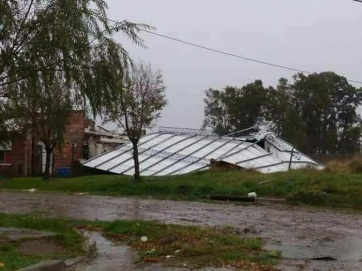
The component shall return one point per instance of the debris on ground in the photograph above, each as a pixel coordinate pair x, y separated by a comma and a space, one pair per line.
252, 195
31, 190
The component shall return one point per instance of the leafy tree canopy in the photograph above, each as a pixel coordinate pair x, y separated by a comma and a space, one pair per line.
51, 54
317, 112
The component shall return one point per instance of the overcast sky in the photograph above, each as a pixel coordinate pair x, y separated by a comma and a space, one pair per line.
313, 35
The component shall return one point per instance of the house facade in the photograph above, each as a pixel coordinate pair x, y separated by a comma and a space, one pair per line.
82, 140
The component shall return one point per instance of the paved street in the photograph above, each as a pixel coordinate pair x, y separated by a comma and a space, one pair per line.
300, 233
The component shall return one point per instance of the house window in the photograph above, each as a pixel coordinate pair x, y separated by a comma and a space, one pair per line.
5, 157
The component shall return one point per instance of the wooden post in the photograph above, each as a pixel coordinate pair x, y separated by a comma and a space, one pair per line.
291, 157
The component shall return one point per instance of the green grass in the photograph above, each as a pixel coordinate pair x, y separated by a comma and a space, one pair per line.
318, 188
176, 245
171, 245
12, 259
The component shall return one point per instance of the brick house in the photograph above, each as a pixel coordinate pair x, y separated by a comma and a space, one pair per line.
82, 140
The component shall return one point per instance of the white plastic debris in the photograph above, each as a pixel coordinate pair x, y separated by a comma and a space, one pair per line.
252, 195
169, 256
31, 190
144, 238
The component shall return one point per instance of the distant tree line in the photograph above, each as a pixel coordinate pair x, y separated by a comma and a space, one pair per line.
317, 113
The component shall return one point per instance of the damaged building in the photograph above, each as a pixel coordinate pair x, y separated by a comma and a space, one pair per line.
173, 151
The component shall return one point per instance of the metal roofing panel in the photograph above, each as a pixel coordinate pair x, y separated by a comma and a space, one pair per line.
168, 153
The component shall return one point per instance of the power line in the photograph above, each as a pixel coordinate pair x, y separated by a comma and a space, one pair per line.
226, 53
235, 55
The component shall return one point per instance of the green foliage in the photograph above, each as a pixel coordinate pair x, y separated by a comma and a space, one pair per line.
234, 108
52, 56
316, 113
184, 189
326, 104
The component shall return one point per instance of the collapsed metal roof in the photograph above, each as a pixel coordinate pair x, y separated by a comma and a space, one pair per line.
173, 151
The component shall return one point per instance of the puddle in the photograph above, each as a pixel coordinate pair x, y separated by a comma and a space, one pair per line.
109, 257
347, 249
343, 254
303, 233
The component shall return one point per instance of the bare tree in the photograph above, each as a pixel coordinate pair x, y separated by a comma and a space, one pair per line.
137, 104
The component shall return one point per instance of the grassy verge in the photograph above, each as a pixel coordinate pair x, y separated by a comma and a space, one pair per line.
175, 245
171, 245
12, 259
319, 188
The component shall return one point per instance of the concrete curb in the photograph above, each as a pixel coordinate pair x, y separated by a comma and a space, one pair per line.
52, 265
55, 265
75, 261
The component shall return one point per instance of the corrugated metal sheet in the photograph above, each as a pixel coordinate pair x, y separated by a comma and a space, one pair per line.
180, 152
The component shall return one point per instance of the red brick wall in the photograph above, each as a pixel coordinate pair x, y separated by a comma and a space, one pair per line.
74, 133
21, 155
21, 148
5, 170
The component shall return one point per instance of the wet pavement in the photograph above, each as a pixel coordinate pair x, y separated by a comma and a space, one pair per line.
109, 257
302, 234
15, 234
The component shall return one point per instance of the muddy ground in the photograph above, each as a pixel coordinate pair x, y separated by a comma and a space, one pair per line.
302, 234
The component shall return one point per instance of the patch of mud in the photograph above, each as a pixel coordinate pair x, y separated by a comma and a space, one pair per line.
40, 247
300, 233
343, 249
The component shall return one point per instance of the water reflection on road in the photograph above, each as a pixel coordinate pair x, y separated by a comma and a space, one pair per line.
300, 233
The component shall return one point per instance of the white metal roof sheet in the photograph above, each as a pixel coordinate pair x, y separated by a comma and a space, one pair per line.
167, 153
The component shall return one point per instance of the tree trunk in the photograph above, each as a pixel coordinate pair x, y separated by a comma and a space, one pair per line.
33, 137
136, 162
32, 159
47, 163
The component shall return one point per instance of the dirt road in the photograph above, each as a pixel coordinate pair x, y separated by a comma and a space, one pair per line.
300, 233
